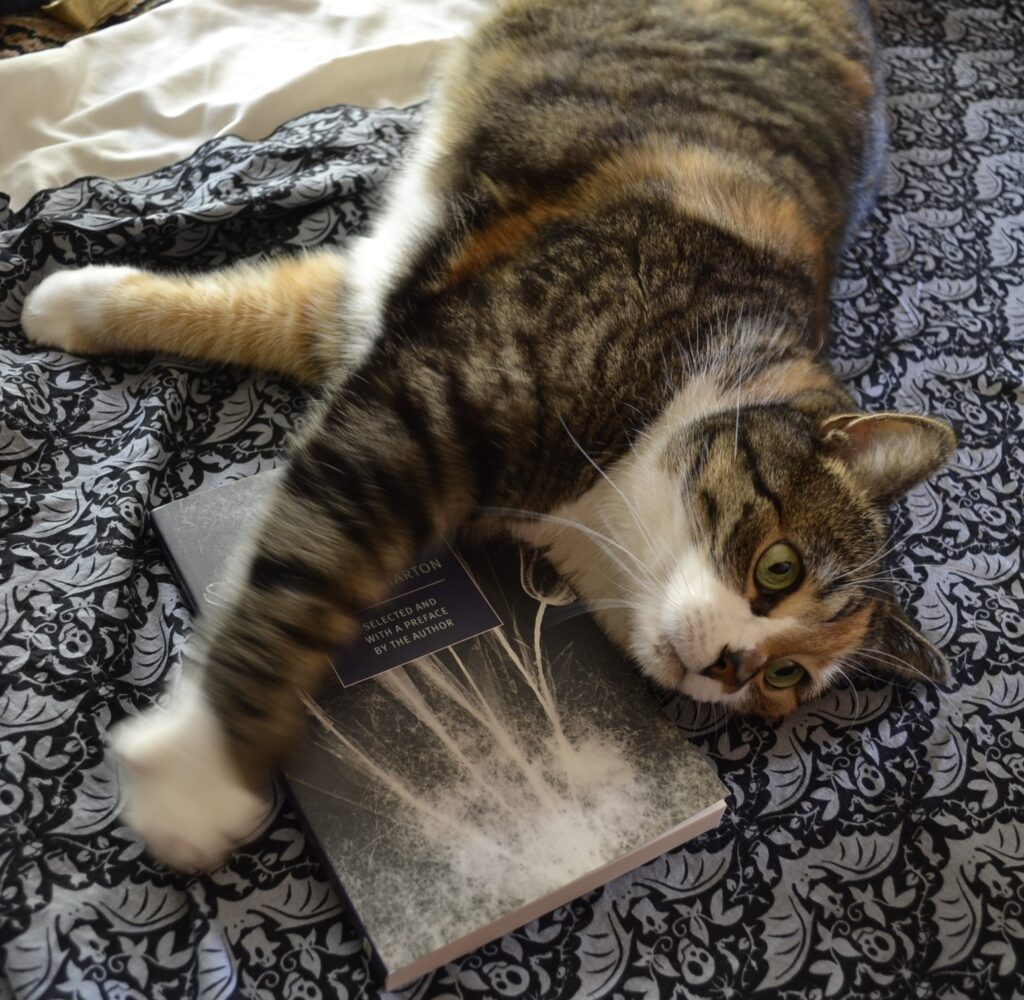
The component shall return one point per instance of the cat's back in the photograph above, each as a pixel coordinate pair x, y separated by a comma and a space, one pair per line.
549, 89
594, 160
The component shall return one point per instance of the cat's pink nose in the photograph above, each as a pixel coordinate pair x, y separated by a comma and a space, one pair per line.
735, 667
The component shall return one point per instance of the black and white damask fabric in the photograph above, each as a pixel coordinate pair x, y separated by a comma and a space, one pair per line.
874, 845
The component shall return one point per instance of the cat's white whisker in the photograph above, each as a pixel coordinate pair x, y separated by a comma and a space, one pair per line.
602, 541
605, 517
891, 660
880, 553
849, 684
532, 515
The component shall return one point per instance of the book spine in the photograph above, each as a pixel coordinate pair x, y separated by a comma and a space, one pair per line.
179, 577
378, 969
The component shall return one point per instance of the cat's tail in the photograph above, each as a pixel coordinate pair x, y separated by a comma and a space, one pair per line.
282, 315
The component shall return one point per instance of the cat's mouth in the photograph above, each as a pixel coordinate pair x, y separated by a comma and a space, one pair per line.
701, 684
673, 666
670, 665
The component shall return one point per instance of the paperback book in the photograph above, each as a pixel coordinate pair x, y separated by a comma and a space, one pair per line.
480, 754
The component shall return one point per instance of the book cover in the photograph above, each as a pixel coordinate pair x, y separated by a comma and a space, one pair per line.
479, 756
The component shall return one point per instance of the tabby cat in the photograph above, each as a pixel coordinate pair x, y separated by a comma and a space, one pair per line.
592, 315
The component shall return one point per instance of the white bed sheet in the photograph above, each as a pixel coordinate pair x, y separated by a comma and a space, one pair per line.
145, 93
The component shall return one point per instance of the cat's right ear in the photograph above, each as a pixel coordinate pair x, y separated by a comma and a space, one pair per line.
901, 649
889, 453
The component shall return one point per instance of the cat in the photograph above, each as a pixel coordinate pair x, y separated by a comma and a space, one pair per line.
592, 315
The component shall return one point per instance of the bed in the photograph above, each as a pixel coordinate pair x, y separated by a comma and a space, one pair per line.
874, 844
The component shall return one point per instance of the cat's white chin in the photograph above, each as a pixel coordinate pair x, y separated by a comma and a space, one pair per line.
182, 794
707, 689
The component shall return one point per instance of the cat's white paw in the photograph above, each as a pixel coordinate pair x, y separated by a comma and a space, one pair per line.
183, 797
65, 310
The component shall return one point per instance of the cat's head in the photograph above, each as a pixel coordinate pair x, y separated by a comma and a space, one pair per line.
753, 542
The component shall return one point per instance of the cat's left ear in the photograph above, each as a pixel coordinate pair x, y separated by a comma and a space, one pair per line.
904, 650
889, 453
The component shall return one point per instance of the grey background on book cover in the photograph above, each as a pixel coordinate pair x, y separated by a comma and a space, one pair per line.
440, 816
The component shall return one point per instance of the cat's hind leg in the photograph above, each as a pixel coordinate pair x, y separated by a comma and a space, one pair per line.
281, 315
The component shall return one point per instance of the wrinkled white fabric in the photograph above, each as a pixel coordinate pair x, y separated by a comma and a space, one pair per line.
145, 93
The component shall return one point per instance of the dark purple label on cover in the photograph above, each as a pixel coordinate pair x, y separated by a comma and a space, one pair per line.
436, 604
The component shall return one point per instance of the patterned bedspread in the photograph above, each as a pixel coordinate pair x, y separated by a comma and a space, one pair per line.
874, 847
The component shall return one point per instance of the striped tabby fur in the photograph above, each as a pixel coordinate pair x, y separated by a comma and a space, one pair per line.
592, 316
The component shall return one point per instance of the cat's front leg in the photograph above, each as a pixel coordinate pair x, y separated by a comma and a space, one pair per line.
282, 315
372, 482
185, 797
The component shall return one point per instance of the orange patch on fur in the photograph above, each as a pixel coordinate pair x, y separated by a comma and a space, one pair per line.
503, 238
825, 641
707, 185
855, 79
279, 315
814, 648
732, 194
789, 379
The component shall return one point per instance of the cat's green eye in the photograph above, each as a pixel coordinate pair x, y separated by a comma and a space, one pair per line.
778, 569
784, 674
